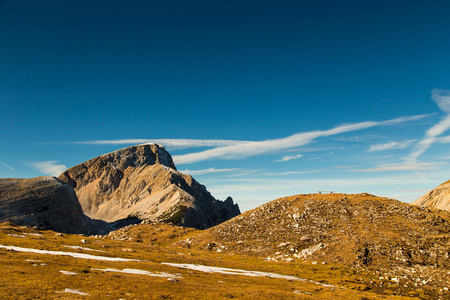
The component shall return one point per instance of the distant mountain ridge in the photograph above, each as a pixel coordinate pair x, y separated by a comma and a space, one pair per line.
437, 198
142, 181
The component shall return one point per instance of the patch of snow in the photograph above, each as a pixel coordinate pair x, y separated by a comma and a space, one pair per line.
68, 273
78, 292
140, 272
229, 271
17, 235
72, 254
34, 234
82, 248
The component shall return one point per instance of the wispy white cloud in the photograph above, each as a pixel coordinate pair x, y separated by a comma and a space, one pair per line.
349, 139
207, 171
413, 166
390, 145
292, 173
50, 167
445, 140
7, 166
289, 157
431, 136
167, 143
442, 99
247, 149
246, 172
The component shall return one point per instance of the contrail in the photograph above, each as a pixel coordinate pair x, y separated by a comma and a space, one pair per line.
7, 166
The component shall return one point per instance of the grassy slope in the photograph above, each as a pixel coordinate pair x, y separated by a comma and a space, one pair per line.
154, 243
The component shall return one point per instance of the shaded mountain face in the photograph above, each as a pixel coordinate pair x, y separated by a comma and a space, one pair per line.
142, 181
438, 198
46, 202
355, 230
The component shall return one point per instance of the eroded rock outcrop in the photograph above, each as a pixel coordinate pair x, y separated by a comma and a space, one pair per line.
45, 202
438, 198
142, 181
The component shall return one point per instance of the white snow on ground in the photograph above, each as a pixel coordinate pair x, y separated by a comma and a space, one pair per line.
35, 234
82, 248
229, 271
72, 254
201, 268
17, 235
68, 273
140, 272
73, 292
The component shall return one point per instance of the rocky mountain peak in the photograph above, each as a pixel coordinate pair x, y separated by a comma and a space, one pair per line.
111, 166
142, 181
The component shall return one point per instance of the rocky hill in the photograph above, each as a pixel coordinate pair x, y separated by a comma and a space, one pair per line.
438, 198
142, 181
354, 230
46, 202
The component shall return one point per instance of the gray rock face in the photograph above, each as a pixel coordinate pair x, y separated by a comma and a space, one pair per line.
46, 202
142, 181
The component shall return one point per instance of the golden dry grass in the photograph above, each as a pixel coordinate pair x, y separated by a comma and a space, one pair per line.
38, 276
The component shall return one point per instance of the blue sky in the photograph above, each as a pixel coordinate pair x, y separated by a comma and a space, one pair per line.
255, 99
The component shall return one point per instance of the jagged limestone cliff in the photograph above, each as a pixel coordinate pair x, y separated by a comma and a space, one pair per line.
142, 181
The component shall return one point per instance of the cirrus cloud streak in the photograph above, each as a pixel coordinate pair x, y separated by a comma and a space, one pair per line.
415, 166
172, 144
390, 145
247, 149
207, 171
